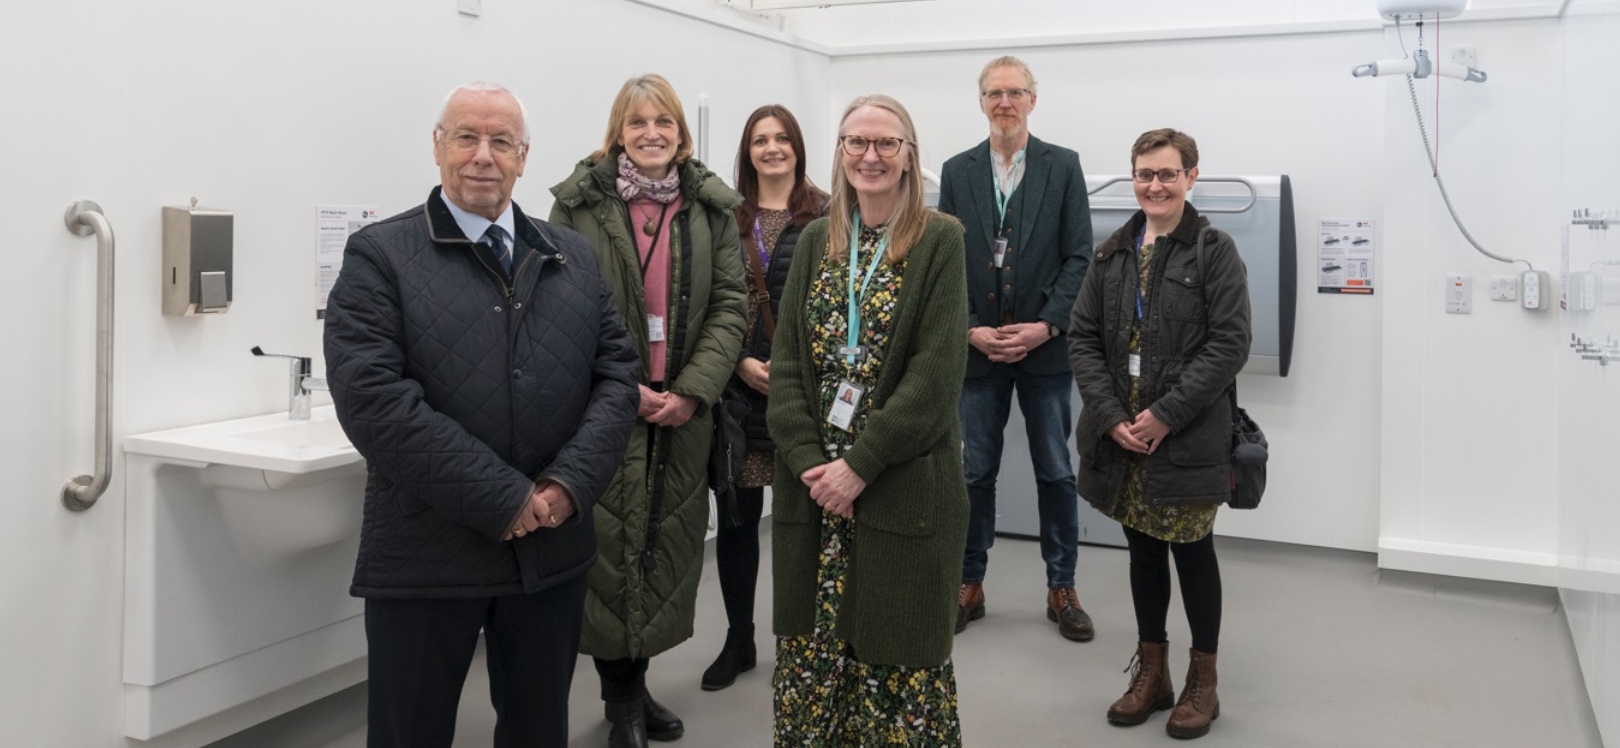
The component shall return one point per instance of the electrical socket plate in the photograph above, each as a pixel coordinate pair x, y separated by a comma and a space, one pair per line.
1468, 56
473, 8
1504, 288
1459, 294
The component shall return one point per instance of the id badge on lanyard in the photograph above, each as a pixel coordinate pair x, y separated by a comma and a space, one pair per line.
842, 412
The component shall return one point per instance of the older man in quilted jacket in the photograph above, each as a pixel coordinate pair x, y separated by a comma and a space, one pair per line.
478, 363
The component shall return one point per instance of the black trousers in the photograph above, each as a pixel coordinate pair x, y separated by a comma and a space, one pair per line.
420, 652
736, 553
1200, 577
622, 680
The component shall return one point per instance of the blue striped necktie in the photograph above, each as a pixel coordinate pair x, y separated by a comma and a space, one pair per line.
495, 238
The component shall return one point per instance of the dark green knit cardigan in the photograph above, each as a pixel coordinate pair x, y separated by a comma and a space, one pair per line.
905, 566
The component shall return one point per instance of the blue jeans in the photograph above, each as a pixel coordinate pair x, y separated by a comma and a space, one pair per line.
1044, 401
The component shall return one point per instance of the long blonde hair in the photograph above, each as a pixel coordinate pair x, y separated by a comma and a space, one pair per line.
635, 92
910, 218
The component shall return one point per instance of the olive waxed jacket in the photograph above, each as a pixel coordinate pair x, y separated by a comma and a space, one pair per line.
1195, 339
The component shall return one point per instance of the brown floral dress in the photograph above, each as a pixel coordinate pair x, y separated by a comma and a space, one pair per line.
759, 467
1174, 524
824, 696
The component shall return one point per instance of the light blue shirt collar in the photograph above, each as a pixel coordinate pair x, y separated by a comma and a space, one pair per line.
474, 226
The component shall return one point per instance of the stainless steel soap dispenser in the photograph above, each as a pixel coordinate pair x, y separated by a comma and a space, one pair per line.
197, 260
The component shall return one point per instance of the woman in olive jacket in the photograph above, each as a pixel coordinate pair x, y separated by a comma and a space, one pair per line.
663, 228
1155, 340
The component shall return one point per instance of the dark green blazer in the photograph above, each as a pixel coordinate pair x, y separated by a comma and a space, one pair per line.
1048, 230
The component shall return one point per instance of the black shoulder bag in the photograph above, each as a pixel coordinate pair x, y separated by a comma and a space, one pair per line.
728, 451
1250, 451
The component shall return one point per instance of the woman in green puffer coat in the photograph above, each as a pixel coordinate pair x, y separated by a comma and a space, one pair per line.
663, 228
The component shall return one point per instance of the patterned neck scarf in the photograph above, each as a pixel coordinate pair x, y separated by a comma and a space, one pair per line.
633, 184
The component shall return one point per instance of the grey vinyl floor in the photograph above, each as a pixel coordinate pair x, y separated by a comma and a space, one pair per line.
1318, 648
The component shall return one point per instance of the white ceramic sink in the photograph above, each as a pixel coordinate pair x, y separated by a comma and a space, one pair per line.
271, 442
324, 433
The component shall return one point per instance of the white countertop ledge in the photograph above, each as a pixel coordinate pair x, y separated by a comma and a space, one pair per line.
268, 442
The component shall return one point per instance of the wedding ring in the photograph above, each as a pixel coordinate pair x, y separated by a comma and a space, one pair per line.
553, 519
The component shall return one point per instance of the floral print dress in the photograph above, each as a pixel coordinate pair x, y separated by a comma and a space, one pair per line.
1174, 524
824, 696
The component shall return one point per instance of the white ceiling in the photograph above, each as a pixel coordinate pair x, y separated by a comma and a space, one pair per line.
888, 25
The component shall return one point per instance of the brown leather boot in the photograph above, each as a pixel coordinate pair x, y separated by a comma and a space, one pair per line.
969, 604
1150, 690
1199, 705
1063, 608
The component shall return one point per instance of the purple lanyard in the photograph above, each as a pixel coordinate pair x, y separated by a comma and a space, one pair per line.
759, 241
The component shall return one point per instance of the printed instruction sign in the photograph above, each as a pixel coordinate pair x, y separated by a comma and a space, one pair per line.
333, 225
1345, 255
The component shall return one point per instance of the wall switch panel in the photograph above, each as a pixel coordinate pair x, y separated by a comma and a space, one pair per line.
473, 8
1459, 294
1538, 289
1504, 288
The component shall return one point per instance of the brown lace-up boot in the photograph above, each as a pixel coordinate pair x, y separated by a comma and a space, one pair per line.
1063, 608
1199, 705
1150, 689
969, 604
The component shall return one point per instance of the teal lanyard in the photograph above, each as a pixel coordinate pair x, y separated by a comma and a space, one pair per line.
854, 262
1003, 197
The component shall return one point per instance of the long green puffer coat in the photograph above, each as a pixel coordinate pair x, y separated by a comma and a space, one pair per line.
643, 588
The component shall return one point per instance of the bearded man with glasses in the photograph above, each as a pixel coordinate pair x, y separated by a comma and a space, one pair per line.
1023, 205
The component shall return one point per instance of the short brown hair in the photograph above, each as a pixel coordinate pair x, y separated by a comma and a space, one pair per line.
1153, 140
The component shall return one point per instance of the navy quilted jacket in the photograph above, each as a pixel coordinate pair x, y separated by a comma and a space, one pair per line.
462, 388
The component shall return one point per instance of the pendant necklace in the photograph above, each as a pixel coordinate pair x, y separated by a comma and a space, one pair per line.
649, 226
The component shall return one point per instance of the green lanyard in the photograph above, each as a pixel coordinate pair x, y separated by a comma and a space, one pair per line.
1005, 197
855, 301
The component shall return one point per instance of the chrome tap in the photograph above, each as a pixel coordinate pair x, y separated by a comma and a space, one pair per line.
299, 383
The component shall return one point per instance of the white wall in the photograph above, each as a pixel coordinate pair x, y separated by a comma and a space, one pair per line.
1266, 105
61, 590
1470, 429
267, 110
1589, 408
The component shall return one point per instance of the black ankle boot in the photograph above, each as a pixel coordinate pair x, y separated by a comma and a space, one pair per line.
629, 722
737, 656
662, 724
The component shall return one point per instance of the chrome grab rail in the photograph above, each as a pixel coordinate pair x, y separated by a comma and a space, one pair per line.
1254, 194
84, 218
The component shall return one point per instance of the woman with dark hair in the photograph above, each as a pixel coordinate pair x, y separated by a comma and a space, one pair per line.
778, 202
869, 508
1156, 339
664, 229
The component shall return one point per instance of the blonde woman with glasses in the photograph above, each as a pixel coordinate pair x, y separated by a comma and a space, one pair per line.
869, 507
